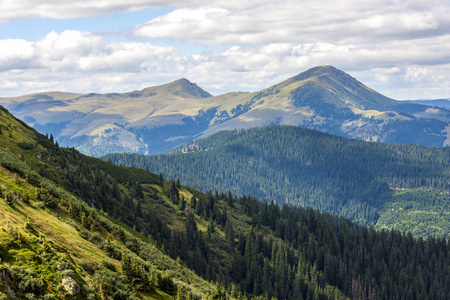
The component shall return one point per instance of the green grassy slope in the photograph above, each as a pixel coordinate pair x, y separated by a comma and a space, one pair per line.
75, 227
388, 186
49, 236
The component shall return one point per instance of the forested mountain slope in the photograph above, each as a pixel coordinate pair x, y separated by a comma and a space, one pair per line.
156, 119
57, 237
75, 227
384, 185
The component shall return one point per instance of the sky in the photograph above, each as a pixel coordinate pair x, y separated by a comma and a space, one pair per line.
398, 48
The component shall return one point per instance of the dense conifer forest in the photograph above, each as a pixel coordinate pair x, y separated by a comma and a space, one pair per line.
384, 185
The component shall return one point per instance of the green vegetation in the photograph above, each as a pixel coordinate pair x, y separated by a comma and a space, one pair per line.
360, 180
55, 243
81, 228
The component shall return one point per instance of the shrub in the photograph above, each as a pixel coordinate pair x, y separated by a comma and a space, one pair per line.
26, 146
9, 199
49, 297
97, 239
85, 234
115, 285
25, 280
26, 198
89, 266
65, 273
165, 283
88, 292
39, 204
50, 202
109, 266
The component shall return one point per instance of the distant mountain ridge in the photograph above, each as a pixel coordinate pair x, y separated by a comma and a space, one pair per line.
435, 102
159, 118
181, 87
384, 185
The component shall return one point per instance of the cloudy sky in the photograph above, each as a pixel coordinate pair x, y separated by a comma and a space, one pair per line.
400, 48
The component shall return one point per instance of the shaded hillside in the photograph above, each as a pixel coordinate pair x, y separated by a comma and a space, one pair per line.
390, 186
252, 247
55, 245
56, 242
156, 119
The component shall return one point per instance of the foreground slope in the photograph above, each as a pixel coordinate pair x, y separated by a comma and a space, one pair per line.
55, 243
389, 186
159, 118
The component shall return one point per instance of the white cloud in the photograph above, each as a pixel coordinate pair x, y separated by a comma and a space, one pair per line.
389, 45
306, 21
15, 54
57, 9
12, 10
82, 62
184, 23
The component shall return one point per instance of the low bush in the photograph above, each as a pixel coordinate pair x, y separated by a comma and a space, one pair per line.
26, 281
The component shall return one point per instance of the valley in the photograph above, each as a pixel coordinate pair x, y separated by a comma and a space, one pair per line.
224, 150
76, 227
246, 204
383, 185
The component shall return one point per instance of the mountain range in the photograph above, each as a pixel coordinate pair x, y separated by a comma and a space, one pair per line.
160, 118
75, 227
434, 102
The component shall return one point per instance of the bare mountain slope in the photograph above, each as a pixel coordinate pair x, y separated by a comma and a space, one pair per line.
159, 118
330, 100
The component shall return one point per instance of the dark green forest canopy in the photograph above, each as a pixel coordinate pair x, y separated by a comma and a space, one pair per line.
360, 180
134, 217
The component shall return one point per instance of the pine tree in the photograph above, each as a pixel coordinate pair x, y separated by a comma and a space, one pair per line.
9, 198
220, 293
182, 204
194, 203
211, 227
109, 248
230, 199
229, 233
180, 294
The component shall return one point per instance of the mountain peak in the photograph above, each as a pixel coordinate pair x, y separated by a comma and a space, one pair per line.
321, 71
331, 85
184, 88
181, 81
